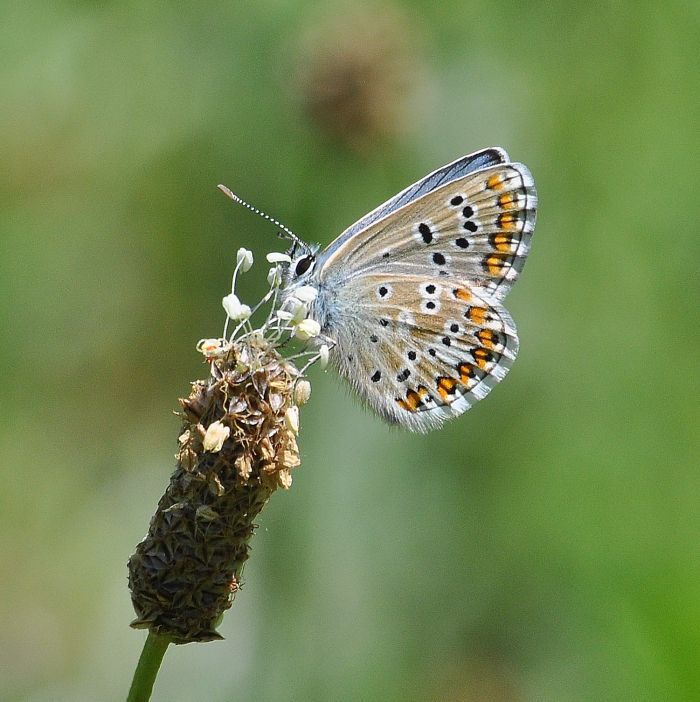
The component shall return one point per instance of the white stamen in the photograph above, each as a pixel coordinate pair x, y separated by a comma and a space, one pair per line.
299, 309
234, 309
212, 348
291, 418
323, 355
302, 392
276, 257
244, 258
307, 329
306, 293
273, 277
215, 436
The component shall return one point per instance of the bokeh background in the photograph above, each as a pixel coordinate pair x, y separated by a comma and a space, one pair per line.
542, 547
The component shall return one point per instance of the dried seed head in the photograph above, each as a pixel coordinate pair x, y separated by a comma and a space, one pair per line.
237, 445
182, 573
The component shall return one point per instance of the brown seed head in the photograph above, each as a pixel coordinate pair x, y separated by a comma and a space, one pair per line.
235, 448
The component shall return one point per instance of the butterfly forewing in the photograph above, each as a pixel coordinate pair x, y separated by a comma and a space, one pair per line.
452, 171
475, 228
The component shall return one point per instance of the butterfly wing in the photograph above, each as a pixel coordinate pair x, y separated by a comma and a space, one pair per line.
452, 171
411, 293
419, 349
475, 227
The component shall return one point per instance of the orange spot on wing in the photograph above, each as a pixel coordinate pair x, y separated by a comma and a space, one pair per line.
507, 201
404, 405
495, 182
413, 400
501, 242
485, 336
482, 357
466, 372
462, 294
477, 315
508, 221
446, 386
494, 264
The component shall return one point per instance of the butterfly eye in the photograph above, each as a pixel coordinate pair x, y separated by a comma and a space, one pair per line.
303, 265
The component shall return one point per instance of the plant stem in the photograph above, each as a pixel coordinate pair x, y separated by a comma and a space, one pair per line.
147, 668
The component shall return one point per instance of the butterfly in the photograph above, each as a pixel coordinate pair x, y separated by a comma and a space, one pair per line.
410, 296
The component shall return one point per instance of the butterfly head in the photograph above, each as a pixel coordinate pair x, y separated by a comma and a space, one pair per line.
302, 266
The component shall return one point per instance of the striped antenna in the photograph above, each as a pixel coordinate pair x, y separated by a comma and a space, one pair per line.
250, 207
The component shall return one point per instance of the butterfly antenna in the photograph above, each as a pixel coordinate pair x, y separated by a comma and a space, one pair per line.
262, 214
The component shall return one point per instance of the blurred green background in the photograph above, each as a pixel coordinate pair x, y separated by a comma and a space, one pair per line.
542, 547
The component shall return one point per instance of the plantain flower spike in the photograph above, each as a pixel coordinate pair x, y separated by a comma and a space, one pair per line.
236, 446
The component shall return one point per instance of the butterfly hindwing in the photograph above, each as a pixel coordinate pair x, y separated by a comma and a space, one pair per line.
423, 349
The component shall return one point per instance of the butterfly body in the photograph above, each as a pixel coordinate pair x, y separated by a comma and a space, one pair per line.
411, 295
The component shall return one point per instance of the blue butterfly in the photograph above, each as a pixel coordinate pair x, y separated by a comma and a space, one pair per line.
410, 296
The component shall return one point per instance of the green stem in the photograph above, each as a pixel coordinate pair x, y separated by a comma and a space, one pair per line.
147, 668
